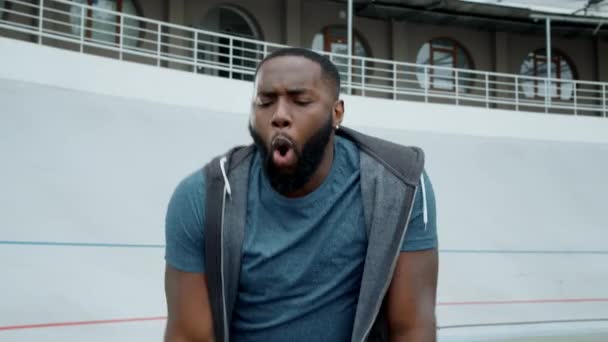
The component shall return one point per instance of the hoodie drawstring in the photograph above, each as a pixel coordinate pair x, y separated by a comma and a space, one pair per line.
226, 183
425, 214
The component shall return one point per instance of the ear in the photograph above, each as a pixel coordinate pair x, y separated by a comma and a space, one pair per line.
338, 113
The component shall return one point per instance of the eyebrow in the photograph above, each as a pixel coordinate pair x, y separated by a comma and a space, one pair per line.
290, 92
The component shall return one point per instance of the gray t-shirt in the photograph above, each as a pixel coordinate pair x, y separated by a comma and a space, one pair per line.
302, 258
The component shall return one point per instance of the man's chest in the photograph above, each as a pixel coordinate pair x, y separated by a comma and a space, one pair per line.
289, 251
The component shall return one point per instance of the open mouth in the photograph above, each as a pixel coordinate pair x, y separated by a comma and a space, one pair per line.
283, 149
282, 145
283, 154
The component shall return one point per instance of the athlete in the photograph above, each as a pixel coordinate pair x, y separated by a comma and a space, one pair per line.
337, 244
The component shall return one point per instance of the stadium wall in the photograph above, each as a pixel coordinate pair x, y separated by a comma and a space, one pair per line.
92, 149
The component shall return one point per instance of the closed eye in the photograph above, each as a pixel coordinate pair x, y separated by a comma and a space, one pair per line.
263, 102
303, 103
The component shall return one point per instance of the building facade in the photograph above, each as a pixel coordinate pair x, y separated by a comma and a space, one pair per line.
446, 34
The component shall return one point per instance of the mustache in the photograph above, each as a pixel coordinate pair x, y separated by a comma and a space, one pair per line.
282, 140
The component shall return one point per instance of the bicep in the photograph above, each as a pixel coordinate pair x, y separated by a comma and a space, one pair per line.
189, 314
411, 297
184, 225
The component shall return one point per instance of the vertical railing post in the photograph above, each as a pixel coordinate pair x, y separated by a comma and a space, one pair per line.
547, 94
362, 77
426, 83
195, 59
265, 51
487, 91
121, 36
82, 29
456, 87
548, 63
516, 93
40, 18
394, 81
158, 41
604, 98
230, 55
349, 46
575, 99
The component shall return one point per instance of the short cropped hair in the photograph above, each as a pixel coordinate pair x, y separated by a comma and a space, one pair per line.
329, 71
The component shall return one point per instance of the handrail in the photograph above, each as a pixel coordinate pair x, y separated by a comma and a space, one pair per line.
202, 51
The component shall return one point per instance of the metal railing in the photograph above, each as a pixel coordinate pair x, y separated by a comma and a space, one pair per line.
90, 29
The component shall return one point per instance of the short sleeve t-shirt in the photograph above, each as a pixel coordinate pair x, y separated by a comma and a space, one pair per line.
302, 258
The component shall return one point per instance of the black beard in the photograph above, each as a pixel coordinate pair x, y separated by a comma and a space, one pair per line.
308, 160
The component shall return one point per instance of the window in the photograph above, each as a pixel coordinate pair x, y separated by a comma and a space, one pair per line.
245, 55
3, 13
334, 39
443, 52
103, 27
535, 64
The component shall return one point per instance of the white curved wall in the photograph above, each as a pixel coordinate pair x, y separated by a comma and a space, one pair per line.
92, 148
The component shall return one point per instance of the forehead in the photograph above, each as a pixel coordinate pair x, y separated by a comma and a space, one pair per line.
288, 72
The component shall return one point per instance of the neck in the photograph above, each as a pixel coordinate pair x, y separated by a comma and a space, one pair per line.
320, 174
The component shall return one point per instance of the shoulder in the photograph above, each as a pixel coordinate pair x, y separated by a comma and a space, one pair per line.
190, 186
347, 151
184, 224
405, 162
187, 199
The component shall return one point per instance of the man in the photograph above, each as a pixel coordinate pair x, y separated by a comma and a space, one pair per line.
315, 228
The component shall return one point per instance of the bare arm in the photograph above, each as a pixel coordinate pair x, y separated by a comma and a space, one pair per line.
188, 307
411, 297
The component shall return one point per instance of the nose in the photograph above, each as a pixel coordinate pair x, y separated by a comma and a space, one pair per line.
281, 117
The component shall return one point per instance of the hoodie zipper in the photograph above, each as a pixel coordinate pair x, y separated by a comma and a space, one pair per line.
393, 264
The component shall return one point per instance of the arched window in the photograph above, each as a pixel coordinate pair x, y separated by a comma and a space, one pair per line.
334, 39
104, 27
240, 55
443, 52
535, 64
231, 20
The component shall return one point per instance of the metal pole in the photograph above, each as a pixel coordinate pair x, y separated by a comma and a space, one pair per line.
426, 83
121, 35
548, 65
82, 29
40, 16
516, 93
487, 91
160, 29
362, 77
195, 52
456, 87
575, 101
604, 97
230, 56
394, 81
350, 44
